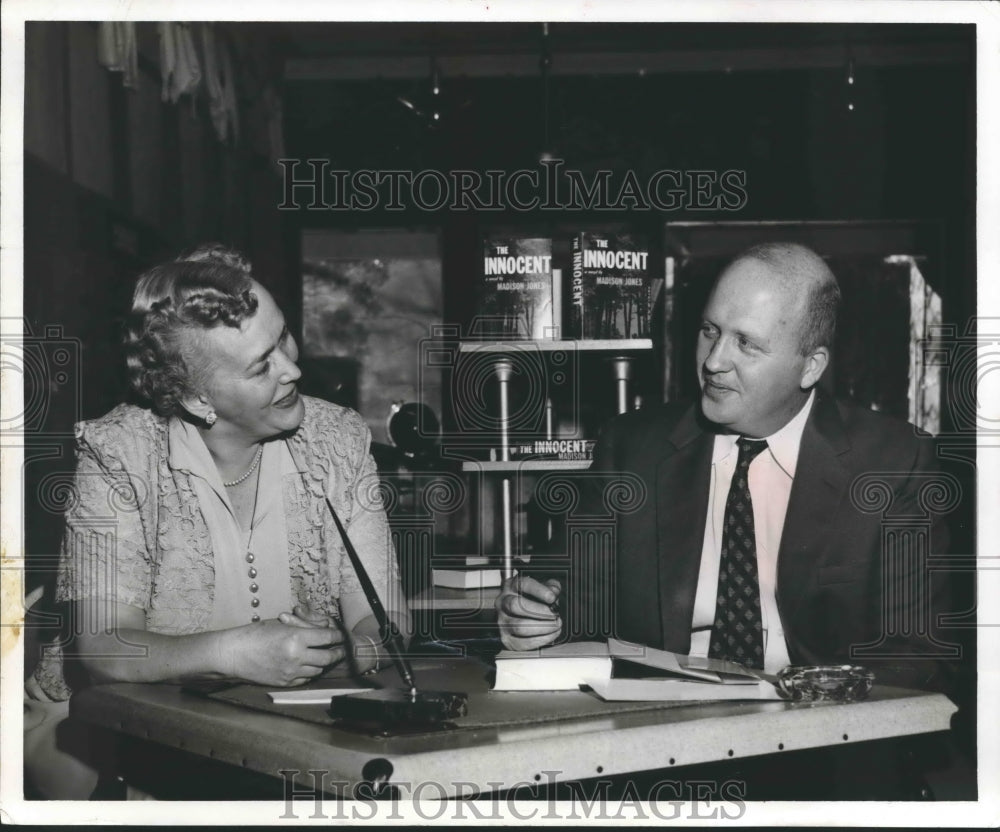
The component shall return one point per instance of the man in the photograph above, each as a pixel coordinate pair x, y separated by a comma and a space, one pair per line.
768, 554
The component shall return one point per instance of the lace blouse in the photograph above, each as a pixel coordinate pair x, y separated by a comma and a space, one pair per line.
136, 533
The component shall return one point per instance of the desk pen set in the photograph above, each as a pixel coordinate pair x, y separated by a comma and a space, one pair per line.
390, 708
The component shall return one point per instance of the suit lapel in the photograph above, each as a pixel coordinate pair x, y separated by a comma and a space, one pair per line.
682, 481
819, 487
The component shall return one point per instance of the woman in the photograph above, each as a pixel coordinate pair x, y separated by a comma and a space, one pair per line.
199, 543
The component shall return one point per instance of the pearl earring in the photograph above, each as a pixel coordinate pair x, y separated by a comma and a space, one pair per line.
210, 418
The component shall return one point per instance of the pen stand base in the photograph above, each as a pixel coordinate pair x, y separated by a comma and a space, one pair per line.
395, 711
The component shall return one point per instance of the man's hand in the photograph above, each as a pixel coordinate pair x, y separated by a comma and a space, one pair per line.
526, 613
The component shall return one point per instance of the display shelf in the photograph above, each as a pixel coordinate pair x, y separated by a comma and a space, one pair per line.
621, 353
527, 465
582, 345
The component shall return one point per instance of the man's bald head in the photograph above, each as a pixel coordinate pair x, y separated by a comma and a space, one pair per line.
808, 279
764, 338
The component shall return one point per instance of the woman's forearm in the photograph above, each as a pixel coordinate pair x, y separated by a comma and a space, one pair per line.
368, 626
369, 651
269, 652
136, 655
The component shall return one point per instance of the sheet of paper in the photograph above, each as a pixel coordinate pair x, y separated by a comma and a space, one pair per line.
677, 690
710, 670
310, 697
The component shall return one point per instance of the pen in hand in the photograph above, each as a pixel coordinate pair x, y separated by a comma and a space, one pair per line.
556, 605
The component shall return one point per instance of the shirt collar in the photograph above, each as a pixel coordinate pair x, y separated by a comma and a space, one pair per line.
783, 444
187, 451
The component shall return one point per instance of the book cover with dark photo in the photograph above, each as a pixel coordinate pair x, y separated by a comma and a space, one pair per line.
612, 288
516, 289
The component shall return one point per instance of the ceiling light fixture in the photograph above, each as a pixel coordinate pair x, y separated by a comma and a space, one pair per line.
545, 66
850, 80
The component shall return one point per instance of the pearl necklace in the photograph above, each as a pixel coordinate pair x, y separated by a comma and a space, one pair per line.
250, 470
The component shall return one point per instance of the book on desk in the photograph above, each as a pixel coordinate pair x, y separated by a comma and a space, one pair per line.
622, 671
465, 572
466, 578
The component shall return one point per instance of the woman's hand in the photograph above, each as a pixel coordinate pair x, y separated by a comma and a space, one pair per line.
367, 655
283, 654
304, 616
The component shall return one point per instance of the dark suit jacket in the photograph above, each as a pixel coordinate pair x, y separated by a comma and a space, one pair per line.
845, 591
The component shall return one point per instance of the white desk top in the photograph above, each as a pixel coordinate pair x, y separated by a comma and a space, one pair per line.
508, 753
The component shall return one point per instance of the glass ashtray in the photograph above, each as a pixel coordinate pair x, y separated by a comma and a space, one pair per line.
825, 683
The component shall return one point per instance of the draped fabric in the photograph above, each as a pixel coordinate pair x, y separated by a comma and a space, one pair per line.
179, 64
220, 84
117, 50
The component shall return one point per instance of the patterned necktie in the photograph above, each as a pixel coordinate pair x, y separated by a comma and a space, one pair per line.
738, 631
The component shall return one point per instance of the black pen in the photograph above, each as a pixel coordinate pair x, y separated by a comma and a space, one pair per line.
556, 605
390, 633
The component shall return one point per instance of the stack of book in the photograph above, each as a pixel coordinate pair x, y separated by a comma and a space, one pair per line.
621, 671
472, 572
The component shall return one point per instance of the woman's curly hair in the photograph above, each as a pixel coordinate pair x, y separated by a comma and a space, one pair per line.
172, 304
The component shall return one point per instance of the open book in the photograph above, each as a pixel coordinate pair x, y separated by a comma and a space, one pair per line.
623, 671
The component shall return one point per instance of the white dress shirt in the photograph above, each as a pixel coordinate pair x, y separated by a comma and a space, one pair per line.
770, 478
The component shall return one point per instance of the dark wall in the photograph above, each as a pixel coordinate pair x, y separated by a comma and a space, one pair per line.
904, 152
114, 181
